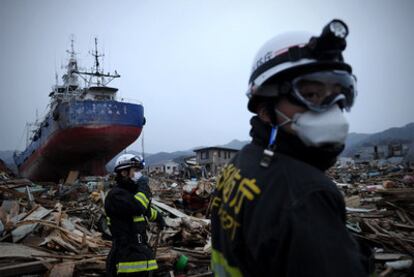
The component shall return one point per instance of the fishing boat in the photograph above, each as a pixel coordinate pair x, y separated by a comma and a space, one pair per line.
84, 128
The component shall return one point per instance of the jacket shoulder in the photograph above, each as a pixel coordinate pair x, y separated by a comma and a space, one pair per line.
116, 194
285, 174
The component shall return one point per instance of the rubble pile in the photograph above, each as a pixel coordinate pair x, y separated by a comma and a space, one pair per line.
190, 196
185, 237
40, 233
380, 212
167, 189
60, 229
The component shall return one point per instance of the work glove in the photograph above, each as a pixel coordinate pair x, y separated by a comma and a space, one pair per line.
160, 222
143, 186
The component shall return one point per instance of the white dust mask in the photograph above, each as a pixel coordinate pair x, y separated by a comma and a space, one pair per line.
137, 176
319, 128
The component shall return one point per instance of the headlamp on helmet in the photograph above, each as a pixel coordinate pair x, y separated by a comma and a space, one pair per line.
297, 54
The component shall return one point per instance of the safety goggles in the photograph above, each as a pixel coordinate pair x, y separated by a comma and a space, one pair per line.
321, 90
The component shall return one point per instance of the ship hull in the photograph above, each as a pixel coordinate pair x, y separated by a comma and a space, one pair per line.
81, 136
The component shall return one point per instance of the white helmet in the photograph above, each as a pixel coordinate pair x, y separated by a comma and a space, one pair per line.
289, 55
129, 160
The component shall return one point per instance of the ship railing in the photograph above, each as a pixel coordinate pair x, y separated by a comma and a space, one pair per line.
130, 100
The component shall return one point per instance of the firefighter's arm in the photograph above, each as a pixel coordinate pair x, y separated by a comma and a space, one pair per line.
151, 213
155, 216
124, 203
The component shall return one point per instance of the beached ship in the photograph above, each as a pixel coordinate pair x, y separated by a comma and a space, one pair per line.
84, 128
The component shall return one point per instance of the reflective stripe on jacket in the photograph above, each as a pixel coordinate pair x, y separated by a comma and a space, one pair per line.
131, 267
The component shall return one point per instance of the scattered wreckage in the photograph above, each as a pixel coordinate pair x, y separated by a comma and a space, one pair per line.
49, 229
60, 229
380, 212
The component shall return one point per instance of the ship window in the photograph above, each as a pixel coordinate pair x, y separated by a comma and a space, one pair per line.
102, 97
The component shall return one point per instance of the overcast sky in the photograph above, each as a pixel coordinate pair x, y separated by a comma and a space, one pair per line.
189, 61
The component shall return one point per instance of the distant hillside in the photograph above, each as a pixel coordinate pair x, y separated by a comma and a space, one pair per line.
164, 156
178, 155
152, 158
7, 157
354, 143
236, 144
404, 135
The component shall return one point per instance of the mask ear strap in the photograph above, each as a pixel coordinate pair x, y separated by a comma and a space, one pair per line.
269, 152
287, 119
270, 109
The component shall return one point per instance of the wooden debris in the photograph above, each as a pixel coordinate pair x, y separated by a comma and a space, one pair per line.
169, 209
15, 250
380, 203
22, 231
62, 270
72, 176
25, 268
63, 225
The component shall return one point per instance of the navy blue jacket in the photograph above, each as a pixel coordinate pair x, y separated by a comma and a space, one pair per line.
284, 220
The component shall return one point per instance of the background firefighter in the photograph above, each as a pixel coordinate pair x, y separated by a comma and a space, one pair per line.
128, 207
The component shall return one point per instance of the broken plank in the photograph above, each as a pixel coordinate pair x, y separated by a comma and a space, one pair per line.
62, 270
73, 257
25, 268
22, 231
176, 212
72, 176
169, 209
14, 250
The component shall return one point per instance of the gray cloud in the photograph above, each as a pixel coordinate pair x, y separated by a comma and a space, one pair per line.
189, 61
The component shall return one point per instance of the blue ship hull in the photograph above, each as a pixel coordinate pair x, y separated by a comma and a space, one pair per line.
80, 135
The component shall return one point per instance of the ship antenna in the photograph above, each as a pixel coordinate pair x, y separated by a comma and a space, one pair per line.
97, 56
72, 48
96, 73
27, 133
56, 78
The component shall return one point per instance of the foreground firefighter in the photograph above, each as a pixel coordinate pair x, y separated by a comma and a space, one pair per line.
128, 206
274, 212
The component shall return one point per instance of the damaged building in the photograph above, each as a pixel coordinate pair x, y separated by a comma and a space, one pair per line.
214, 158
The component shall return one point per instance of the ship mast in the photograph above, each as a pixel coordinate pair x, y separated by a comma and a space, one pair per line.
97, 72
97, 56
70, 80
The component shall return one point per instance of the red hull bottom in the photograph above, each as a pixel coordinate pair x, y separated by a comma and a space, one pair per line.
85, 149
